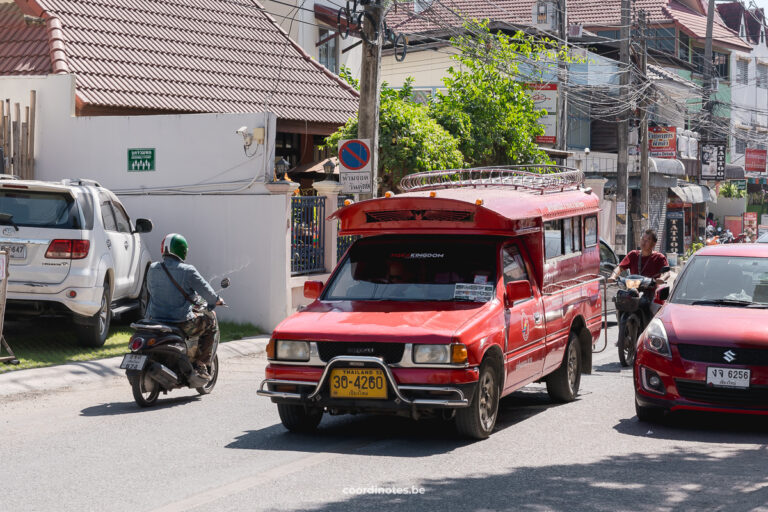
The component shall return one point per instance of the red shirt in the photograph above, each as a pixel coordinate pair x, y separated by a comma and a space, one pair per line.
650, 266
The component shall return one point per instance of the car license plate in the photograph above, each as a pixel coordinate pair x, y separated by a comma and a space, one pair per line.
728, 377
133, 362
15, 251
358, 383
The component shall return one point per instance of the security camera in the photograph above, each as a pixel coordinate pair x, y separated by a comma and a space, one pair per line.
242, 130
586, 151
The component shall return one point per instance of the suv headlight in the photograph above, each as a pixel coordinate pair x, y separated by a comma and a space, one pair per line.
656, 339
288, 350
455, 353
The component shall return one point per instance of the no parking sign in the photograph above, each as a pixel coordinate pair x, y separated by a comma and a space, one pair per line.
355, 166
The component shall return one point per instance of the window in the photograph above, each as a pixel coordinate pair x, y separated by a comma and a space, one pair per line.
609, 34
579, 128
590, 231
741, 146
327, 49
108, 217
743, 71
514, 266
720, 65
683, 47
562, 237
40, 209
762, 76
662, 39
121, 218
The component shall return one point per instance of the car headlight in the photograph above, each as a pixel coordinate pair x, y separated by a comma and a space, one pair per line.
288, 350
440, 354
656, 339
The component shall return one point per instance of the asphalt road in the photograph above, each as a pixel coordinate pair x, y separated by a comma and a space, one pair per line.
89, 447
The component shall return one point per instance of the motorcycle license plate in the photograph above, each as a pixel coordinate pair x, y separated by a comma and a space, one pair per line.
133, 362
358, 383
728, 377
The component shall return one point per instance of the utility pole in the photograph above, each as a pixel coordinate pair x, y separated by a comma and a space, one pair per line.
644, 171
706, 104
370, 87
562, 80
622, 209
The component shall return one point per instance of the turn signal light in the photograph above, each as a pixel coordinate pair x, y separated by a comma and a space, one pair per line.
271, 345
348, 202
387, 194
479, 202
433, 194
458, 353
61, 249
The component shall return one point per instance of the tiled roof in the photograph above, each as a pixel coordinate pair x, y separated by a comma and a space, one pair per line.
24, 48
193, 56
696, 25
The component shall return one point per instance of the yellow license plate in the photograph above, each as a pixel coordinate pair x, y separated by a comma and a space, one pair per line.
358, 383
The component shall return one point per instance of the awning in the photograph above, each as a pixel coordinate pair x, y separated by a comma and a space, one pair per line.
694, 193
734, 172
669, 166
656, 181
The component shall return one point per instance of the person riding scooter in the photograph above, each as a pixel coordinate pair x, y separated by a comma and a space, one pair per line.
644, 261
175, 292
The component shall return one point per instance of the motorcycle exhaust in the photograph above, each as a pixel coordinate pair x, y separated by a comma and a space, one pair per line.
163, 375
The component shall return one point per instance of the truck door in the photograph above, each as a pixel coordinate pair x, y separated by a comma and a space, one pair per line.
525, 348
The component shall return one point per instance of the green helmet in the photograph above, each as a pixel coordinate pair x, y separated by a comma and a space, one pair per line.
175, 245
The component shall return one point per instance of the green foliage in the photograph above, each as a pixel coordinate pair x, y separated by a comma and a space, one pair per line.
731, 191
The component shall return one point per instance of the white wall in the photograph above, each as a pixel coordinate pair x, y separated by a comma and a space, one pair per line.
745, 99
243, 234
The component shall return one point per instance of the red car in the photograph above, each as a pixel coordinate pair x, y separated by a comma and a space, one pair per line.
707, 348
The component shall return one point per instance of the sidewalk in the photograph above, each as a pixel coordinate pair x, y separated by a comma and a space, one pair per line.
51, 378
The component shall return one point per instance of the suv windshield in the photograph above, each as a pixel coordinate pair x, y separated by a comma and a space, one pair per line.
724, 281
40, 209
417, 269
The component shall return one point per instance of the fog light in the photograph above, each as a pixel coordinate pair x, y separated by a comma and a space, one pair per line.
651, 381
71, 294
654, 381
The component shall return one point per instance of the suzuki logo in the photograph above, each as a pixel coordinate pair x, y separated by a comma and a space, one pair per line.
729, 356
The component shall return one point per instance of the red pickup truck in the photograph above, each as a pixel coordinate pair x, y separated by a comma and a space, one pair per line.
465, 288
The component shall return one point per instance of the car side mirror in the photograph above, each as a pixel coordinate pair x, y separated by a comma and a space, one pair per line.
143, 226
312, 289
517, 290
663, 293
225, 282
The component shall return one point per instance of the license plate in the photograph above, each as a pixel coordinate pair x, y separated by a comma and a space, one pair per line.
728, 377
358, 383
133, 362
15, 251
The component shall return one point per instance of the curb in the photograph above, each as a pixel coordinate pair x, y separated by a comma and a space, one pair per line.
37, 380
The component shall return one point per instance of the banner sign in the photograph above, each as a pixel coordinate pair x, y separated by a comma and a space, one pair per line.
545, 98
675, 231
713, 160
754, 160
662, 141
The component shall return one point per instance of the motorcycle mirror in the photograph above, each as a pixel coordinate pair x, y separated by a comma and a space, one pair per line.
665, 269
225, 282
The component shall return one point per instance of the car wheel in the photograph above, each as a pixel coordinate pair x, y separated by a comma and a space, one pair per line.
145, 390
213, 371
477, 420
297, 418
93, 333
563, 384
649, 414
628, 335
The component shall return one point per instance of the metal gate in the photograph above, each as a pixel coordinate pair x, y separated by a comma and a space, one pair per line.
307, 235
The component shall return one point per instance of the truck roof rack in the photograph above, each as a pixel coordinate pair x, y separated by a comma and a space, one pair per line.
528, 178
83, 182
8, 177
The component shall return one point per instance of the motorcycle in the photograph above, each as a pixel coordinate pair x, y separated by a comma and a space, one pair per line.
160, 359
637, 301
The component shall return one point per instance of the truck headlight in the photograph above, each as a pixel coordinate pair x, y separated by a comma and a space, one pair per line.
440, 354
288, 350
656, 339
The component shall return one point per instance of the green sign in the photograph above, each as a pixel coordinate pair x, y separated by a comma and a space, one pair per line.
740, 184
141, 159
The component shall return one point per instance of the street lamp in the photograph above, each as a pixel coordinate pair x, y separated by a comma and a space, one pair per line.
281, 167
328, 167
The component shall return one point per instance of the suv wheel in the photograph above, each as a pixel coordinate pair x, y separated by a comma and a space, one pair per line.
93, 333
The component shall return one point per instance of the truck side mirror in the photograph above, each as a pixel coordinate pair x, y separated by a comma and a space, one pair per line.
663, 293
517, 290
312, 289
143, 226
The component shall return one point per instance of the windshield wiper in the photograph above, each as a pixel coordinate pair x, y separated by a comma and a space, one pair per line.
723, 302
7, 218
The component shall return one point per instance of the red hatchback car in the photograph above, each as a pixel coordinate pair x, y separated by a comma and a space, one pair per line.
707, 348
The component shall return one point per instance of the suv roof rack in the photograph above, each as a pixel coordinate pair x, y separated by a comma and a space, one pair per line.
82, 182
534, 178
8, 177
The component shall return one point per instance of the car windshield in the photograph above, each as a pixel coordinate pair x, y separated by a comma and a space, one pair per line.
40, 209
417, 269
724, 281
763, 238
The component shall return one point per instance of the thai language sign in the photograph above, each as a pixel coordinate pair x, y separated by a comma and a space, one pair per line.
754, 160
545, 98
662, 141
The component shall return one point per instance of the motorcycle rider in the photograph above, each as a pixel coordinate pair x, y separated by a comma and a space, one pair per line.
175, 289
644, 261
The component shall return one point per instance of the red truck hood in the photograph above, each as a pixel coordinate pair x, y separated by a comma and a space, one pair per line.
716, 324
423, 322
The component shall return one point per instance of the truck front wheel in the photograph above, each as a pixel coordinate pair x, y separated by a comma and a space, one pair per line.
477, 420
297, 418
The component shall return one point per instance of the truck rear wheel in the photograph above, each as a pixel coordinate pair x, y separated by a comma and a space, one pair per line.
477, 420
563, 383
297, 418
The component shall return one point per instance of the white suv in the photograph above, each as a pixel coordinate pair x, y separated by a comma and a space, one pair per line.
74, 251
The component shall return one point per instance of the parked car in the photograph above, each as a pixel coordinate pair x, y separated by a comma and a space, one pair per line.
707, 348
73, 251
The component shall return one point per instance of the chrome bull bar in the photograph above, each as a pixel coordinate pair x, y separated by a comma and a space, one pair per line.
459, 401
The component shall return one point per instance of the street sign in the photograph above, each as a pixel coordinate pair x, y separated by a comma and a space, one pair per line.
355, 166
141, 159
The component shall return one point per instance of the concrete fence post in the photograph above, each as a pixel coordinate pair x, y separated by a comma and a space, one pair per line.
330, 190
282, 278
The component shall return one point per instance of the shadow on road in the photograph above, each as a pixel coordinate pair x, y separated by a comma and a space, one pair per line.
131, 407
701, 427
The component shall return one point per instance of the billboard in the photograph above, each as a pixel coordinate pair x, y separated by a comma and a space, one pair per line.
754, 160
662, 141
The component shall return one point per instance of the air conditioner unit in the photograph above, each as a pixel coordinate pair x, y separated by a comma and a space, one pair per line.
545, 15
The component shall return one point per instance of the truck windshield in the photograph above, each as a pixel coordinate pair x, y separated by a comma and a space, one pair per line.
417, 269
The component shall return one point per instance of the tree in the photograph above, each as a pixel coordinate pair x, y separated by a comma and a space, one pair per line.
731, 191
409, 139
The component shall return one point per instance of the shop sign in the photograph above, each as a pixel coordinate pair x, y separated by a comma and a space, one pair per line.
675, 231
740, 184
544, 97
713, 160
662, 141
754, 160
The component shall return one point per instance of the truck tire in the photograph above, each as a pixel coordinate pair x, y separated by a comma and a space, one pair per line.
93, 332
297, 418
477, 420
563, 383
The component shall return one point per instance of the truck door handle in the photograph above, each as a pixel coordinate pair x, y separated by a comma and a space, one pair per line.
125, 244
537, 318
109, 244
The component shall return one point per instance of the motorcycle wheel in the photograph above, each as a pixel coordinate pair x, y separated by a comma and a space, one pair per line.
145, 390
213, 370
628, 334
